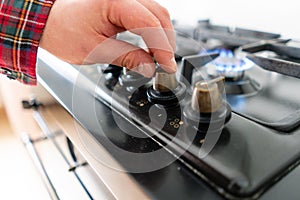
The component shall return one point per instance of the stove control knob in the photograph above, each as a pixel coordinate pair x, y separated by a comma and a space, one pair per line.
131, 79
207, 110
113, 69
207, 96
166, 90
164, 82
111, 72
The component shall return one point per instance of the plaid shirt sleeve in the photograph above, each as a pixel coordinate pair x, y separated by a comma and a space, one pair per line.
21, 25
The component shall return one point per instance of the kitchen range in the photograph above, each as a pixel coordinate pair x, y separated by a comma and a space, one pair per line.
226, 126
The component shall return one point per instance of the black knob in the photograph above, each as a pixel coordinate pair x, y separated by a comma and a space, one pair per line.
113, 69
132, 79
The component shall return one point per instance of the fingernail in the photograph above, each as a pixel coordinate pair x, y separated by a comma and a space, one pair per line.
146, 69
173, 65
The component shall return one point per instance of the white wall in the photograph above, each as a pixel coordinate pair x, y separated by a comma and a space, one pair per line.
274, 16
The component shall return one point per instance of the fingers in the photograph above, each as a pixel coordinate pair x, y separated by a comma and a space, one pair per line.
136, 18
123, 54
163, 16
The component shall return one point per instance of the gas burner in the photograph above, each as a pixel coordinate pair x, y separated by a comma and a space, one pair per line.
230, 65
236, 81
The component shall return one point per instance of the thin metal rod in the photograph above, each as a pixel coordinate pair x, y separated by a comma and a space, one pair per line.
71, 150
45, 129
38, 163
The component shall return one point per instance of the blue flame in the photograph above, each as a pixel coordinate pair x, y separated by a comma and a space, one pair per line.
228, 62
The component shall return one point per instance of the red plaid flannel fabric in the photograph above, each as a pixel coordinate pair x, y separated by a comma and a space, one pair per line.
21, 25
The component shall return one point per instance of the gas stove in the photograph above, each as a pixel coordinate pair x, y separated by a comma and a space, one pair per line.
230, 116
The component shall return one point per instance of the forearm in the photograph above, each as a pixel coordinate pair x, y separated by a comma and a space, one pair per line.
21, 26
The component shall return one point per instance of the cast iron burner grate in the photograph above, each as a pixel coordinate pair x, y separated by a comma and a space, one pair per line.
230, 36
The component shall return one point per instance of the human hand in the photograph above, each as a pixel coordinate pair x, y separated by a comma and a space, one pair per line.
83, 32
